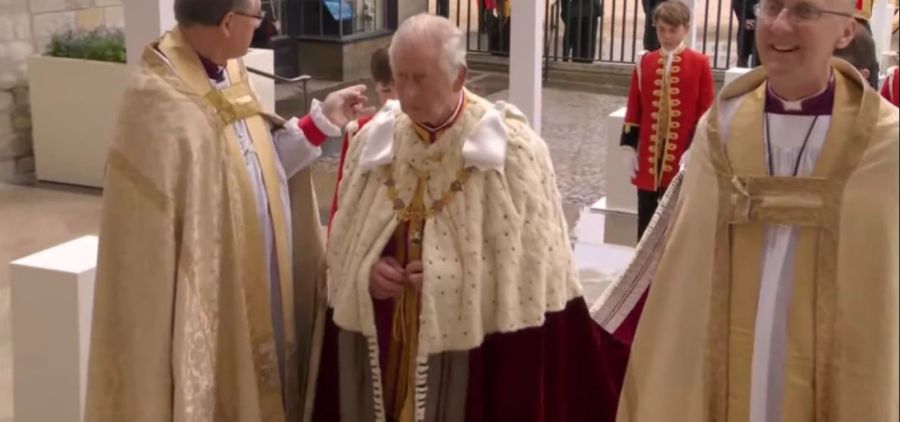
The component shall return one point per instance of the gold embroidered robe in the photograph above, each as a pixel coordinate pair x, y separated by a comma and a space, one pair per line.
692, 353
182, 327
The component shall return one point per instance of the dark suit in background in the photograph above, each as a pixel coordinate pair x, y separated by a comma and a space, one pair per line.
580, 36
496, 23
650, 41
746, 31
443, 8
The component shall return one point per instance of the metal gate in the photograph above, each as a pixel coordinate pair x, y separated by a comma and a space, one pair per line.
609, 31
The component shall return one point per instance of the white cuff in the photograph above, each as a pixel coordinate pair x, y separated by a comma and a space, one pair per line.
293, 149
322, 122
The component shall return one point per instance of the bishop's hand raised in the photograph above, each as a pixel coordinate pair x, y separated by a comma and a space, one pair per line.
346, 105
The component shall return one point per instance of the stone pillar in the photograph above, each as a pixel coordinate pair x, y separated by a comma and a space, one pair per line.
692, 39
526, 55
882, 14
145, 21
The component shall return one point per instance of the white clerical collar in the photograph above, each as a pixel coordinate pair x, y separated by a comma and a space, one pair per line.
797, 105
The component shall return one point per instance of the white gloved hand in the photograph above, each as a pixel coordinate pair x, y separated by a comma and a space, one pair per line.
630, 159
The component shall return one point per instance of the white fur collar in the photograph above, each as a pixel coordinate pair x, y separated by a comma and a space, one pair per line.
485, 147
378, 149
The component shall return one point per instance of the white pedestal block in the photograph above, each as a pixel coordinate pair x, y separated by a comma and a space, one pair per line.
734, 73
52, 301
620, 203
620, 193
599, 266
599, 263
620, 227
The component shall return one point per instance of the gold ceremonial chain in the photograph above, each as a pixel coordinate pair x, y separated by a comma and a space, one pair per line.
401, 361
409, 213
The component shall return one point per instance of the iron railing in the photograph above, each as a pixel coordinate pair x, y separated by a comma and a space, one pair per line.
610, 31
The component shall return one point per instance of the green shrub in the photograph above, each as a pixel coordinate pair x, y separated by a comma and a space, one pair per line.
101, 44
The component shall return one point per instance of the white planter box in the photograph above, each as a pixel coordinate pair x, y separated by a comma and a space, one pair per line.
74, 108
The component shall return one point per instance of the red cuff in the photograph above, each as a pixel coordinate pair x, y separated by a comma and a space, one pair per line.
311, 131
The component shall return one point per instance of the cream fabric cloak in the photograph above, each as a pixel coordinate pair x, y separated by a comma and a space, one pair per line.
182, 328
502, 242
496, 258
692, 353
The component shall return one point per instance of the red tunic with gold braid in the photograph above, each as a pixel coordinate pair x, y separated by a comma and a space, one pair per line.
864, 9
890, 89
663, 110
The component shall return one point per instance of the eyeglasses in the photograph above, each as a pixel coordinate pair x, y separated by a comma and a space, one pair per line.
260, 16
801, 12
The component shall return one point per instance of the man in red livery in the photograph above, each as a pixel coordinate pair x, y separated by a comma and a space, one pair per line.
380, 66
889, 88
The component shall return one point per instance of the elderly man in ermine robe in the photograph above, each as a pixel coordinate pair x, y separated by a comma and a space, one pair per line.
773, 283
451, 279
211, 255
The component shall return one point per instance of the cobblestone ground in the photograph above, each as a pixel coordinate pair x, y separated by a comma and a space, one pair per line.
572, 125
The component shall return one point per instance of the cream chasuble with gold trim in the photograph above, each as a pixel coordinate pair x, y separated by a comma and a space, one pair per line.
707, 338
183, 323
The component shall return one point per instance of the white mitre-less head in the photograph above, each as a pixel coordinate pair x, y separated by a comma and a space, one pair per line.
428, 58
796, 40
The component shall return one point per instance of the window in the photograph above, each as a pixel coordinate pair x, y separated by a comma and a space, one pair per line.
337, 19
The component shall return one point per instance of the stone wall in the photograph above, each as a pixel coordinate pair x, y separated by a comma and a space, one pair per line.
26, 27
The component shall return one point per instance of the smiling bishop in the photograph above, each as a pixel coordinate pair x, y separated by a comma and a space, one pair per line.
775, 294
